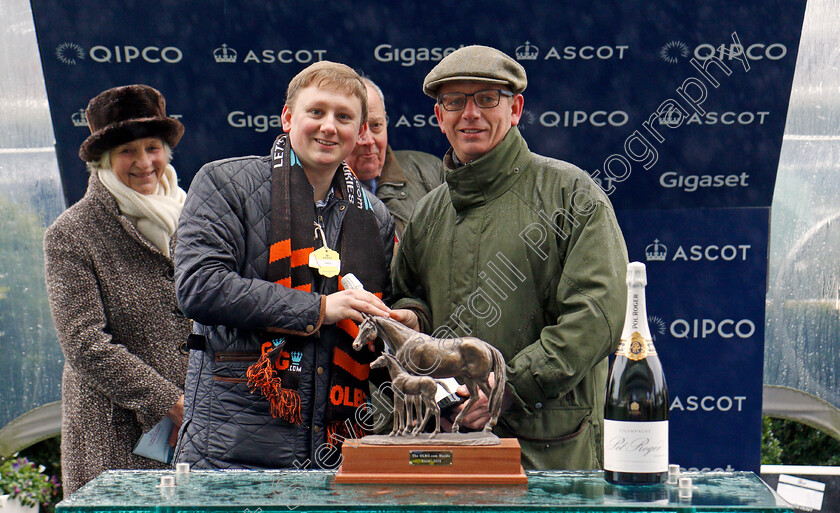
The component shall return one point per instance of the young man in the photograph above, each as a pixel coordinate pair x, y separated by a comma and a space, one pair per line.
273, 381
398, 178
523, 252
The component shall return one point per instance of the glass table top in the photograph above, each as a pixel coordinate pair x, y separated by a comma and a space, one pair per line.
249, 491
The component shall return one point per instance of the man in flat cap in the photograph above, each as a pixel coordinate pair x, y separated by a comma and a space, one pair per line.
522, 251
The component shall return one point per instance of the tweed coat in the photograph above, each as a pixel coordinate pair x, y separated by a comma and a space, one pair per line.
112, 297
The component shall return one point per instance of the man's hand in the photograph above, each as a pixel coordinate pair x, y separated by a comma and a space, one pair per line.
479, 413
176, 415
406, 317
351, 304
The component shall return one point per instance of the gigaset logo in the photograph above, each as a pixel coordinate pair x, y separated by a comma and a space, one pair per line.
691, 183
410, 56
259, 122
71, 53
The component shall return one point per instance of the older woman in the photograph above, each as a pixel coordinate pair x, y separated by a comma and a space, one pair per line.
109, 276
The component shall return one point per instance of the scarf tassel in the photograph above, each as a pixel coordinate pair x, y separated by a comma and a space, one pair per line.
337, 432
285, 403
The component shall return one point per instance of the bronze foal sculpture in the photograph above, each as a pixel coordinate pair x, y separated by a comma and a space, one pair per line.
469, 360
410, 386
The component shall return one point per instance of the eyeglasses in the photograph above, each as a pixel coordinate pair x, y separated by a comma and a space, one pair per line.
484, 99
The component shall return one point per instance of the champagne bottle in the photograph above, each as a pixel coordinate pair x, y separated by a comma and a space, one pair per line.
636, 411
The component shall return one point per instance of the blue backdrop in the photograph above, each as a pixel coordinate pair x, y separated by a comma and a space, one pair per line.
676, 109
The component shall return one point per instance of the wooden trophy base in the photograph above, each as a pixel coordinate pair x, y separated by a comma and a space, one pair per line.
432, 464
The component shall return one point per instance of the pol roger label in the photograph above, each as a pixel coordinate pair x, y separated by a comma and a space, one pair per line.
636, 348
636, 446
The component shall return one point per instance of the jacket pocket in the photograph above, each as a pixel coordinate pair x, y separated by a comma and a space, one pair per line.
560, 438
242, 430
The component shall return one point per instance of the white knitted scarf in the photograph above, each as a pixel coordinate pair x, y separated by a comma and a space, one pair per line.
155, 215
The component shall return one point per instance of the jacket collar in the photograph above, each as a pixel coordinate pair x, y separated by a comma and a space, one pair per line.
486, 177
392, 173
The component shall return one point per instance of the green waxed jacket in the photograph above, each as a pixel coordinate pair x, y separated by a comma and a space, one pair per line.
525, 253
406, 177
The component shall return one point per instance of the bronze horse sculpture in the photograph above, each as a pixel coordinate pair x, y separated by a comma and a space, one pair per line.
469, 360
411, 388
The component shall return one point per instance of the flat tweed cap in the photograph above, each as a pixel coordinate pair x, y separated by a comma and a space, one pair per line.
476, 64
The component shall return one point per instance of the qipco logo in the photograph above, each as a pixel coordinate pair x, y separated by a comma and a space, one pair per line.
127, 54
705, 328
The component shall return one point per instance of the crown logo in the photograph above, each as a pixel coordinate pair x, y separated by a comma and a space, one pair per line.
78, 118
671, 118
296, 356
656, 252
224, 54
527, 52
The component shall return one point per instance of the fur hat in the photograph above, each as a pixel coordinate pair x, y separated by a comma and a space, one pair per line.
476, 64
124, 114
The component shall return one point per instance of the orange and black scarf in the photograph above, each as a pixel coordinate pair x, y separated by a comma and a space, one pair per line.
291, 240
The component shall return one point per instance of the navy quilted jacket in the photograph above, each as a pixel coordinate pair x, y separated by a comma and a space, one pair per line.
221, 260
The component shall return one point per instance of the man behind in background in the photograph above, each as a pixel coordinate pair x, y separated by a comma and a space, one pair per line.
398, 178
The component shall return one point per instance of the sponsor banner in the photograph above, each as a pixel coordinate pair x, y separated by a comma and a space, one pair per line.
706, 271
688, 112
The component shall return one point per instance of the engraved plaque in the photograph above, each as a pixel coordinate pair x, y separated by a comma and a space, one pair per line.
430, 457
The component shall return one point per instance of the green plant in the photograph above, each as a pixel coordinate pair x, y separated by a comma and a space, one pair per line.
21, 479
771, 448
787, 442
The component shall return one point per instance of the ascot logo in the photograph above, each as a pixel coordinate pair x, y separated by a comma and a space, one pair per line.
674, 51
224, 54
227, 55
675, 118
708, 403
78, 118
70, 53
656, 252
416, 121
529, 52
67, 53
